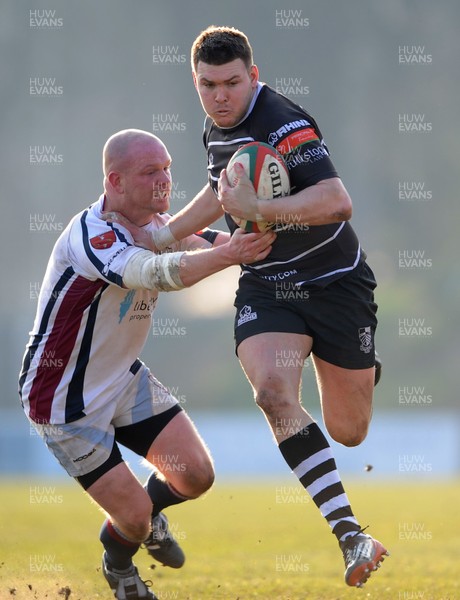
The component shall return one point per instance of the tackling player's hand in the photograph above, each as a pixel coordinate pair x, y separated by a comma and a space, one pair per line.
240, 200
141, 237
251, 247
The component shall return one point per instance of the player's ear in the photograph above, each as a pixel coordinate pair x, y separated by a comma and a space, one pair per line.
194, 80
114, 180
254, 75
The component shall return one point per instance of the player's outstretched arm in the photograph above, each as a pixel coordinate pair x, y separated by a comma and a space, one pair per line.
200, 212
144, 238
242, 248
176, 270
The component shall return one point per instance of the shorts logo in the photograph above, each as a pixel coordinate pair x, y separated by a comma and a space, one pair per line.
365, 337
246, 315
84, 456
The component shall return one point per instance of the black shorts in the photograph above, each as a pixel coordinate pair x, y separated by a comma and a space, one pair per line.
340, 317
137, 437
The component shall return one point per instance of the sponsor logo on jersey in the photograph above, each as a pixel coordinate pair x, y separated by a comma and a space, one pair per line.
365, 337
303, 156
274, 136
106, 268
103, 241
246, 315
296, 139
125, 304
142, 309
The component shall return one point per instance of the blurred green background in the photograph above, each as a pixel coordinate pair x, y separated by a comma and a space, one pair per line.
380, 78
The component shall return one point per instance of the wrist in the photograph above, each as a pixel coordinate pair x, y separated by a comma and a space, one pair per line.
227, 255
260, 208
163, 237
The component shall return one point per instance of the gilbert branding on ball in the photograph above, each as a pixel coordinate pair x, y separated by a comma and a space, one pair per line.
268, 172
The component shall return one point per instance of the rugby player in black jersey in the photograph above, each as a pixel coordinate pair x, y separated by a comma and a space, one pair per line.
311, 296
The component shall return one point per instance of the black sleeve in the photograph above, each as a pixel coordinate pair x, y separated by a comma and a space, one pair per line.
208, 234
296, 135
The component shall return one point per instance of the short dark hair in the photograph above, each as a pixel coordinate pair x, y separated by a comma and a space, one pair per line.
220, 45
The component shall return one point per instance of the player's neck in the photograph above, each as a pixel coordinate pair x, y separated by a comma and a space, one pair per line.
137, 216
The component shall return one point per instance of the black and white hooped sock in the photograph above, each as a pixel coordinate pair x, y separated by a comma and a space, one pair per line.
309, 455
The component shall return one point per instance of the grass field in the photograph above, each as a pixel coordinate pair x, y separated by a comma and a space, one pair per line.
242, 542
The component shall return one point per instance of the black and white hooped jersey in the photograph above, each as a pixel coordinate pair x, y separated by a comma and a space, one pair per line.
309, 255
89, 329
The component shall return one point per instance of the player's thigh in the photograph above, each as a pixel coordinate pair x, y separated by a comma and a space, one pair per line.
343, 317
272, 337
346, 400
275, 359
119, 493
181, 455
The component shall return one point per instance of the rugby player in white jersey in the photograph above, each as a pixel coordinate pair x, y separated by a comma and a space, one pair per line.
82, 384
312, 295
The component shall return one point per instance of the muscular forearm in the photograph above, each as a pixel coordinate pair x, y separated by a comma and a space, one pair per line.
198, 265
326, 202
203, 210
176, 270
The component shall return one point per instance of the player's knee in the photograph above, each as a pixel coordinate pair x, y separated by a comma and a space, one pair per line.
205, 480
348, 436
271, 400
351, 440
197, 479
135, 522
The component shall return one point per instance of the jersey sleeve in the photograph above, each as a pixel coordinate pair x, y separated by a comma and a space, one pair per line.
100, 250
295, 134
199, 240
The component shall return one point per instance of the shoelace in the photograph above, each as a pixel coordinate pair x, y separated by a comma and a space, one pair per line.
362, 530
356, 551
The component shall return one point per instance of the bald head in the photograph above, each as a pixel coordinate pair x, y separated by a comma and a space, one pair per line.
137, 175
122, 149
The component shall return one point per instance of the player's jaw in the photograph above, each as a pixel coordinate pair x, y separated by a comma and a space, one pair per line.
141, 203
161, 195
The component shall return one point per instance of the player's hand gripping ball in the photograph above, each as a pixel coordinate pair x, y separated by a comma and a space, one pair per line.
268, 173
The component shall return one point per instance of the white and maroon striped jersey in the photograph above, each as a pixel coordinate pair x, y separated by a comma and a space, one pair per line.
88, 329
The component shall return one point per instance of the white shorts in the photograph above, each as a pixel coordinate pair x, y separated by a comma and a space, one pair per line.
85, 444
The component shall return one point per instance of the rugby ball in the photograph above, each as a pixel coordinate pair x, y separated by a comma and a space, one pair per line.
268, 172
